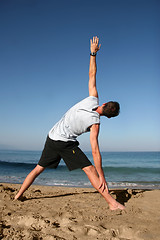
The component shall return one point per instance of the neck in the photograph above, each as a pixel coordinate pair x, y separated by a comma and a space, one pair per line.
99, 110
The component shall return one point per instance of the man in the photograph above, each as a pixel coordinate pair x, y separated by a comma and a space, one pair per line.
61, 141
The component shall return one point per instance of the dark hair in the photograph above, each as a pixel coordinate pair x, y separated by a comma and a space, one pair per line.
111, 109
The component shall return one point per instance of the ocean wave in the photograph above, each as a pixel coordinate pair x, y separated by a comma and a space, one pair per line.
135, 185
16, 164
110, 169
85, 184
24, 165
131, 170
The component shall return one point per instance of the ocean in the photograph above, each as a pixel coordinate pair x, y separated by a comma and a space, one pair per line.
122, 170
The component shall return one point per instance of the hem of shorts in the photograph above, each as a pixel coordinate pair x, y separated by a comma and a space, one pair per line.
40, 165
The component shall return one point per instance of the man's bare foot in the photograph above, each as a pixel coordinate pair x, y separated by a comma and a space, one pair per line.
18, 197
116, 206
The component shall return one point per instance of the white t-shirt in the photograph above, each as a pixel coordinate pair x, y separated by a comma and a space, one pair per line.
76, 120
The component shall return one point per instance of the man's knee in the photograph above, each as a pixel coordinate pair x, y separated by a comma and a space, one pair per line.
89, 169
38, 169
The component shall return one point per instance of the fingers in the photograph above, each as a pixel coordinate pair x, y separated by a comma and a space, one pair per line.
103, 186
94, 43
96, 40
100, 185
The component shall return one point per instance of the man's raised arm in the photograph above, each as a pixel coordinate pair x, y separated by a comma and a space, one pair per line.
94, 47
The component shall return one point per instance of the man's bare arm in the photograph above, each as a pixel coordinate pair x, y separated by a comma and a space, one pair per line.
94, 131
94, 47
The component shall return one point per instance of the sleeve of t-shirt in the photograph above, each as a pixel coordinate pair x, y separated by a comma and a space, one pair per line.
90, 103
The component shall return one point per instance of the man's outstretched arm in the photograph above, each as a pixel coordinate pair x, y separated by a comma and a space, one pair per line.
94, 131
94, 47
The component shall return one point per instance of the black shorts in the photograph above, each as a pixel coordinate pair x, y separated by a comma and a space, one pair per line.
70, 152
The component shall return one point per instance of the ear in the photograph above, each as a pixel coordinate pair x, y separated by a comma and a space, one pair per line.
103, 104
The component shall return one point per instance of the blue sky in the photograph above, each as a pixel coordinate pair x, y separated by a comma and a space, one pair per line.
44, 62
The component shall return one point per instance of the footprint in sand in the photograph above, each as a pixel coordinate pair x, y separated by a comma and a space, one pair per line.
127, 233
92, 230
32, 223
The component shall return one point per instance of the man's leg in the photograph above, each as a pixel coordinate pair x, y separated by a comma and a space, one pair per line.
94, 179
29, 180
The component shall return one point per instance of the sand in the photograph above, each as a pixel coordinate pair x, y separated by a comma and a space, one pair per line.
75, 213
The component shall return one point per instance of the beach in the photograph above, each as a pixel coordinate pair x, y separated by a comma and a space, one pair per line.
62, 213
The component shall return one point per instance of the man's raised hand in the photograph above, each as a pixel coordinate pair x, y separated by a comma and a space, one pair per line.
94, 45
